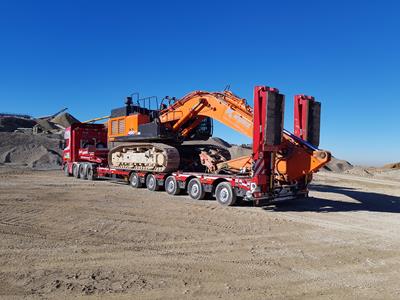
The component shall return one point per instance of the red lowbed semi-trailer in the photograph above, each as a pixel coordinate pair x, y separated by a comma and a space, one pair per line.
86, 157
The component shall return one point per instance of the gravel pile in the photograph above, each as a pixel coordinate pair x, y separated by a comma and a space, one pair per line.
238, 151
28, 150
64, 119
38, 146
338, 165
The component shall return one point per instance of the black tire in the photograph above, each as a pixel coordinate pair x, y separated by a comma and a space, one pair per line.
82, 171
134, 180
151, 183
224, 194
66, 172
75, 170
172, 186
91, 172
195, 189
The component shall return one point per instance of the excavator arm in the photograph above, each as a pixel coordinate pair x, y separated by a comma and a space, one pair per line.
295, 158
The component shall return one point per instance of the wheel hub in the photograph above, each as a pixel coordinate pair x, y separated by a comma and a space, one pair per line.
195, 189
151, 182
171, 186
224, 195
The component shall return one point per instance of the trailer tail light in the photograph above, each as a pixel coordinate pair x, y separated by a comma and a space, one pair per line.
257, 195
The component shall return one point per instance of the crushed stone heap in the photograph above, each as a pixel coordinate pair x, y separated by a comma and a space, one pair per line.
28, 150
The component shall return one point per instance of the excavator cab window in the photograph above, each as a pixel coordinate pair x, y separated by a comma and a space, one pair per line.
203, 131
167, 101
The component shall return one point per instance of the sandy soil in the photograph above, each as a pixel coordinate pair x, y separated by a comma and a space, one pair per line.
63, 237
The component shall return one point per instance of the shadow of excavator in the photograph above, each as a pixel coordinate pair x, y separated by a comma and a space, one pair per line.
366, 201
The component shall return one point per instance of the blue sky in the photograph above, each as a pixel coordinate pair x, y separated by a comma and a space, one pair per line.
88, 55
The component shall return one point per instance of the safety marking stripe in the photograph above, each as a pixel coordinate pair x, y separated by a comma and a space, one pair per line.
259, 167
257, 164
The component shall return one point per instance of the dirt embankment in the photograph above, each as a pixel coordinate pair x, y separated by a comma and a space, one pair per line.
395, 166
389, 171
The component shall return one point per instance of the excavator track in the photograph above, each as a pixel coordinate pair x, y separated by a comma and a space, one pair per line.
154, 157
163, 158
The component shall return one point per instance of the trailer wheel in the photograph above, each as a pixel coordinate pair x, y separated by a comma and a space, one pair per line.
82, 171
171, 186
151, 183
66, 172
75, 170
134, 180
225, 194
195, 189
90, 173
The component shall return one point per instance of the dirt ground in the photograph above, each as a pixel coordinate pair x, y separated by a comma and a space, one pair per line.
62, 237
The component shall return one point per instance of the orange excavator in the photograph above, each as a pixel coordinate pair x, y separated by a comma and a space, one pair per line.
151, 140
167, 147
